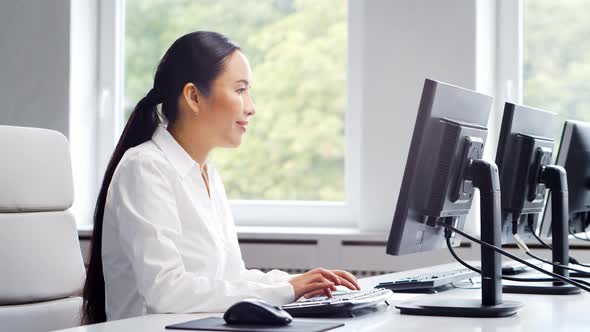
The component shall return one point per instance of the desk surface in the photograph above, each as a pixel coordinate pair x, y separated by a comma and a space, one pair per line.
540, 313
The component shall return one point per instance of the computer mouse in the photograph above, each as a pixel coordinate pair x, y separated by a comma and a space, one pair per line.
254, 311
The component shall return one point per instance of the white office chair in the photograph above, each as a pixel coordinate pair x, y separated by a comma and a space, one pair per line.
41, 267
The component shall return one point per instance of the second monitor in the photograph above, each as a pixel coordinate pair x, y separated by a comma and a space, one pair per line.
443, 168
525, 144
524, 154
574, 156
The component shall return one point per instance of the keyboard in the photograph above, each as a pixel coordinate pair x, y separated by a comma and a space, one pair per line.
342, 302
440, 281
428, 282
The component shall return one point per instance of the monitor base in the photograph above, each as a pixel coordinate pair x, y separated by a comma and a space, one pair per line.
459, 308
545, 290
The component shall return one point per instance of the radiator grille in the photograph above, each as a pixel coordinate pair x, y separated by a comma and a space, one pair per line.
356, 273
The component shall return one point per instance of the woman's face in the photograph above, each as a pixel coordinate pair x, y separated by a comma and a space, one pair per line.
227, 108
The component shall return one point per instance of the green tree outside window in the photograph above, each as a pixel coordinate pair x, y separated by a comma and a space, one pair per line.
294, 148
556, 58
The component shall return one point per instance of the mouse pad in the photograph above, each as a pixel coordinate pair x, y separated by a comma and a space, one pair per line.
218, 324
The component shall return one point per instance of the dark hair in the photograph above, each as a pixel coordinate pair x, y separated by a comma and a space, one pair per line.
197, 58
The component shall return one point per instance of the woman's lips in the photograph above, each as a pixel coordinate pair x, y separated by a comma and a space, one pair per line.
242, 124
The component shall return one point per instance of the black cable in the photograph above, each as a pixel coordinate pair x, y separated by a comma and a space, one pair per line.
576, 283
529, 225
578, 263
584, 265
580, 238
530, 254
472, 268
539, 239
571, 259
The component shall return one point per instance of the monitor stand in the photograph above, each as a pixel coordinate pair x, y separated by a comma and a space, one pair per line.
555, 178
485, 177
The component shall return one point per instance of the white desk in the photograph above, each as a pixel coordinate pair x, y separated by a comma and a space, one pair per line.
541, 313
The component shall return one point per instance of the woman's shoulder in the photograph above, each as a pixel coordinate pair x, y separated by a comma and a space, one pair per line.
141, 168
146, 156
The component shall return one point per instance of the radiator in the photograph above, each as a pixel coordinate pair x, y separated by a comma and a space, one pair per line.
356, 273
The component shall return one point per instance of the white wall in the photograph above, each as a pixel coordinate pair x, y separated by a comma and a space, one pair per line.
404, 43
48, 52
34, 63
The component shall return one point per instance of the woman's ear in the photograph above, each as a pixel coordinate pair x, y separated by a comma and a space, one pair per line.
191, 96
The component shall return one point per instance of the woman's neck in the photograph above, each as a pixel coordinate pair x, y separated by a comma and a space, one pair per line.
198, 149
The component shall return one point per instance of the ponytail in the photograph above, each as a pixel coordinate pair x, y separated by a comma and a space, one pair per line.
140, 127
195, 58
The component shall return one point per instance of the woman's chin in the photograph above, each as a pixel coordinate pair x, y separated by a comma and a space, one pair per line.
233, 142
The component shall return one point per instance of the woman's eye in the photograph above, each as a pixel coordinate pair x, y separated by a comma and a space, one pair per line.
241, 90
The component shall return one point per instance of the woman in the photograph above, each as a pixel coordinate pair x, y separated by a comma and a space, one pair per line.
164, 239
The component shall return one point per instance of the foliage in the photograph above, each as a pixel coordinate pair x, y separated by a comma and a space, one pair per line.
294, 148
556, 53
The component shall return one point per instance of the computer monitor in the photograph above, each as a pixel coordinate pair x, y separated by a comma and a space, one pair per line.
442, 169
446, 115
524, 154
524, 131
574, 156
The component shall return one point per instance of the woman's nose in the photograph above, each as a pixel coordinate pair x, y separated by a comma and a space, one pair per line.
250, 108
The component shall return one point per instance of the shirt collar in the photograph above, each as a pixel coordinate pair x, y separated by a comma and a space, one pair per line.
174, 152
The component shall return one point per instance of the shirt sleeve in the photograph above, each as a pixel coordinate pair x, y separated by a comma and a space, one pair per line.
271, 277
148, 222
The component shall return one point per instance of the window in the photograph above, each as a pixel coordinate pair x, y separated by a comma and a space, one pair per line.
299, 153
556, 51
297, 49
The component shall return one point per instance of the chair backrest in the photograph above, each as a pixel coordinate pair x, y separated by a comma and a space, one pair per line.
42, 271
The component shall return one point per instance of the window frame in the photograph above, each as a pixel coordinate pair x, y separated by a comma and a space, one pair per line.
110, 125
110, 93
510, 51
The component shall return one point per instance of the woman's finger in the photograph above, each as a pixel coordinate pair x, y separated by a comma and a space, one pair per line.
347, 284
323, 291
327, 274
310, 287
349, 277
315, 278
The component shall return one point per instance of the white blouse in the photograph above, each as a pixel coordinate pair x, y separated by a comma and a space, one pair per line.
169, 248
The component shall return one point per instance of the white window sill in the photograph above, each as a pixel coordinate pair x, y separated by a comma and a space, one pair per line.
288, 233
253, 233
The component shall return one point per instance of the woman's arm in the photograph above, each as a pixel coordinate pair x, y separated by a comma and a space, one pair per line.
270, 277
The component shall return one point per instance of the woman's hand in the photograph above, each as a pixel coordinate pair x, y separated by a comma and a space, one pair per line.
321, 281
